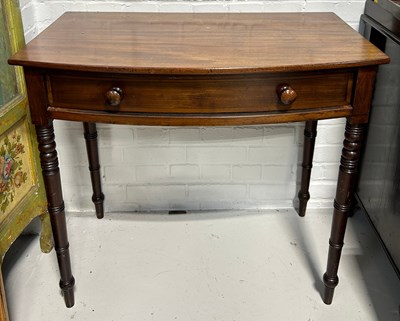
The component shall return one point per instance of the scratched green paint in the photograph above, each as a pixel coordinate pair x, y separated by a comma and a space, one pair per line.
8, 82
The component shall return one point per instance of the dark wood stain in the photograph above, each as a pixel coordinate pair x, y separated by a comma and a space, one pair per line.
199, 70
310, 133
199, 94
90, 133
198, 43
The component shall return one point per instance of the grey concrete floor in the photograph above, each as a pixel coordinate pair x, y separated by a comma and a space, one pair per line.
232, 265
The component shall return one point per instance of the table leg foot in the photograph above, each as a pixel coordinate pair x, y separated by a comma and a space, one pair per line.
330, 285
99, 207
90, 133
68, 292
303, 199
310, 133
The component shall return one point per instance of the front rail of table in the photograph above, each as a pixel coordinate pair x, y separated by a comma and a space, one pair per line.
199, 70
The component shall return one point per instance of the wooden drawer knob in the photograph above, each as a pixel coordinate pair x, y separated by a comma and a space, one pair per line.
286, 94
114, 96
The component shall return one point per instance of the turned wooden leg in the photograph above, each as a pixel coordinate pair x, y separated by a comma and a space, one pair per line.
310, 133
349, 163
90, 133
52, 183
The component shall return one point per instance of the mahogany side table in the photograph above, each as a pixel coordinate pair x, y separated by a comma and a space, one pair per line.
199, 70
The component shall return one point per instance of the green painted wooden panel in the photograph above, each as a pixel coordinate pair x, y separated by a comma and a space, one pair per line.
17, 211
8, 81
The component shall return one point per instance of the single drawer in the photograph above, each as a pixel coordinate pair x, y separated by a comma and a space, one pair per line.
200, 94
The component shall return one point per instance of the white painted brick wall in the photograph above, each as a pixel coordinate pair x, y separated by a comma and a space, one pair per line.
158, 168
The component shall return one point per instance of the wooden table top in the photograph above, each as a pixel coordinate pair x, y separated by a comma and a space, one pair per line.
184, 43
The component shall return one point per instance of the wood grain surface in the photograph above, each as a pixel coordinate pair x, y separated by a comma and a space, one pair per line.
198, 43
200, 94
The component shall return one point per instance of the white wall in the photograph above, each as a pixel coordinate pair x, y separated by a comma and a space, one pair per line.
152, 168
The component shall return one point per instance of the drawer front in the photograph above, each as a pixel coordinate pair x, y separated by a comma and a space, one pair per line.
201, 94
